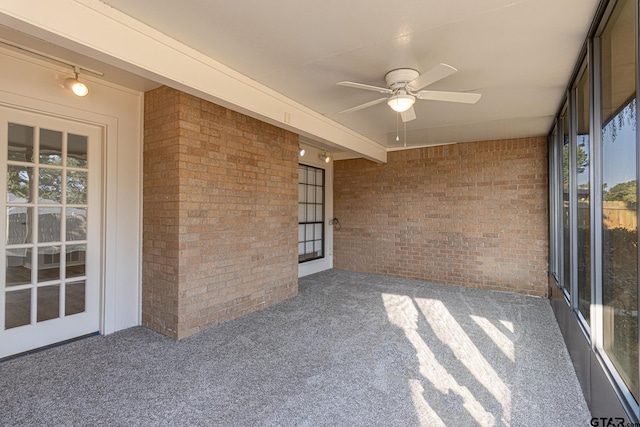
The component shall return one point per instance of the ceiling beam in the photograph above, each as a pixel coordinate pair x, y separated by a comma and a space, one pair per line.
94, 29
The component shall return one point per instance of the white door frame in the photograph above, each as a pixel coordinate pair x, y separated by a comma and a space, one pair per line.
34, 335
92, 319
37, 85
107, 323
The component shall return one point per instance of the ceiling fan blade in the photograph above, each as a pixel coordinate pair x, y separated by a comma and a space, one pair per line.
462, 97
365, 87
431, 76
408, 115
365, 105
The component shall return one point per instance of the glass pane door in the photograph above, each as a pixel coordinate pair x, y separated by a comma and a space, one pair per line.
52, 209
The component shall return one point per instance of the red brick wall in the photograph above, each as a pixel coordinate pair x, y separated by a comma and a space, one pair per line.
220, 214
471, 214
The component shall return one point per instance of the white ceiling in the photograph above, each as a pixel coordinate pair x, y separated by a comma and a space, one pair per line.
519, 54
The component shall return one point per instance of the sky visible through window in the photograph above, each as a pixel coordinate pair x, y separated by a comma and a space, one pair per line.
620, 164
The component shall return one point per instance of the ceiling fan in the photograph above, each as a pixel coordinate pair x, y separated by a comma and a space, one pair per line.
405, 86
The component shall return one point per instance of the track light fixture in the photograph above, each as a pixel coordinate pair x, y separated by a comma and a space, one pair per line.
301, 151
75, 85
324, 157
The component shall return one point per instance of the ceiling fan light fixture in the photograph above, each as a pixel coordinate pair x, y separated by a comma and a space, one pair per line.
401, 102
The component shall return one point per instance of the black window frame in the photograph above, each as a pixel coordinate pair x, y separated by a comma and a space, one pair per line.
311, 229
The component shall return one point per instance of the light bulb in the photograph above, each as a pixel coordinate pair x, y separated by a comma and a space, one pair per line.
324, 157
76, 86
401, 102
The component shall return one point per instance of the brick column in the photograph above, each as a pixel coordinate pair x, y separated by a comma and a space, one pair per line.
220, 214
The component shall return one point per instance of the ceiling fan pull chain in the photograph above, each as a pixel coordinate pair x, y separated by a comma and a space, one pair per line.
397, 127
405, 134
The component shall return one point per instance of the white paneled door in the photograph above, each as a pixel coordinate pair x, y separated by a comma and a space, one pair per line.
51, 238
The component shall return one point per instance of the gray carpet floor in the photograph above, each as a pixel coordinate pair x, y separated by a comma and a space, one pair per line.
351, 350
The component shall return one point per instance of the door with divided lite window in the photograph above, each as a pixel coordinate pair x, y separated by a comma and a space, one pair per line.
51, 192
